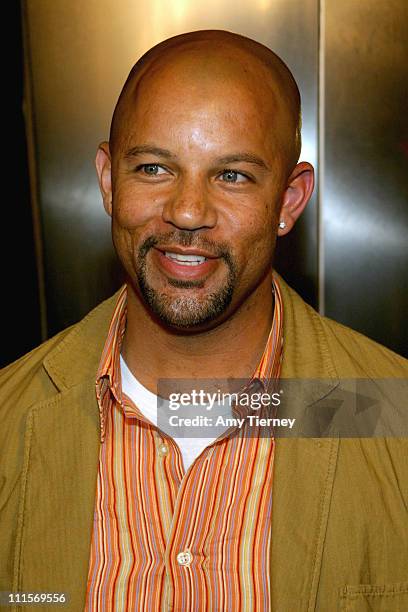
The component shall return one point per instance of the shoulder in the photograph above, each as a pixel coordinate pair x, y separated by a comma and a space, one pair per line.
351, 348
331, 346
23, 385
41, 373
26, 380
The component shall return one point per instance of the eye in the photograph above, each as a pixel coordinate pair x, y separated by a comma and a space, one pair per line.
151, 169
233, 176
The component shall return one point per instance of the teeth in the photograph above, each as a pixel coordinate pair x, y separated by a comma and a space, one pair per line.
186, 260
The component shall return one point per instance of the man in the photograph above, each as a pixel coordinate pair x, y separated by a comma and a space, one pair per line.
200, 176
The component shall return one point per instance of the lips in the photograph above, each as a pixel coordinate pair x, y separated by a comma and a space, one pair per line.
184, 263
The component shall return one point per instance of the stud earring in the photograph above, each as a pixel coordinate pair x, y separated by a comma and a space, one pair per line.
282, 225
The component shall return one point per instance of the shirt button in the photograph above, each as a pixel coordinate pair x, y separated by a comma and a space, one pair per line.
184, 558
163, 450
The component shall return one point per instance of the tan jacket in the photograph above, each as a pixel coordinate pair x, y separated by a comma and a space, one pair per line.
339, 519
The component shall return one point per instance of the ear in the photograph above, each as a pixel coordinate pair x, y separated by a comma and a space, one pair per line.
103, 168
296, 196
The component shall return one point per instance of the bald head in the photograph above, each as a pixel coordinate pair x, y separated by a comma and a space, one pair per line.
213, 61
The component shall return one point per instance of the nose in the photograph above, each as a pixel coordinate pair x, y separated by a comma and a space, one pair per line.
190, 206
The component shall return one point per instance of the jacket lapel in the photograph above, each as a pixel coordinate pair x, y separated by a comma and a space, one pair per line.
304, 468
62, 444
59, 497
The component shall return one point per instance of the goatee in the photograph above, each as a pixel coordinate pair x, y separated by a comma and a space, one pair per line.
186, 311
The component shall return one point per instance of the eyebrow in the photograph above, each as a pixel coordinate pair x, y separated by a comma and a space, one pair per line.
150, 149
249, 158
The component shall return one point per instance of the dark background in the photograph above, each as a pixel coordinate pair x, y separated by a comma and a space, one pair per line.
21, 312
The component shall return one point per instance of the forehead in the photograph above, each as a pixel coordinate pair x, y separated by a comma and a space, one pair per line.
218, 94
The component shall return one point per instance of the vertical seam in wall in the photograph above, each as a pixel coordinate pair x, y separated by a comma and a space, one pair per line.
28, 112
321, 156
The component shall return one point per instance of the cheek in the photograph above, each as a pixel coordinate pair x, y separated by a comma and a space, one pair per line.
132, 208
260, 248
253, 237
130, 214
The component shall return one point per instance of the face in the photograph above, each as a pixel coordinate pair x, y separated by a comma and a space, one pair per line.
196, 190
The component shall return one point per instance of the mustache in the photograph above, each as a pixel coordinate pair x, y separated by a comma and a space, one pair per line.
187, 239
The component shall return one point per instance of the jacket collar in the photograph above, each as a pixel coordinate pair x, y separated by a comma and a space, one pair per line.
76, 358
306, 352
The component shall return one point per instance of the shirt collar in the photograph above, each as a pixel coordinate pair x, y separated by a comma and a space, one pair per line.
270, 363
108, 380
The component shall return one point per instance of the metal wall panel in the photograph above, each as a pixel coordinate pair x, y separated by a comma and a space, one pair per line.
365, 220
80, 54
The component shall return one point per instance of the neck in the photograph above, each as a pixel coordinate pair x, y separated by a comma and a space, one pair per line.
230, 350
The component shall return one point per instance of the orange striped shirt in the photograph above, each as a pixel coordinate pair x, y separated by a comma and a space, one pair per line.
166, 539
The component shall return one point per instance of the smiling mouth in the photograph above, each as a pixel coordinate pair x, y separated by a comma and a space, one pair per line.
184, 259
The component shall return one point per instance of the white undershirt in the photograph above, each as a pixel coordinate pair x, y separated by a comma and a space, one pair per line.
146, 402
